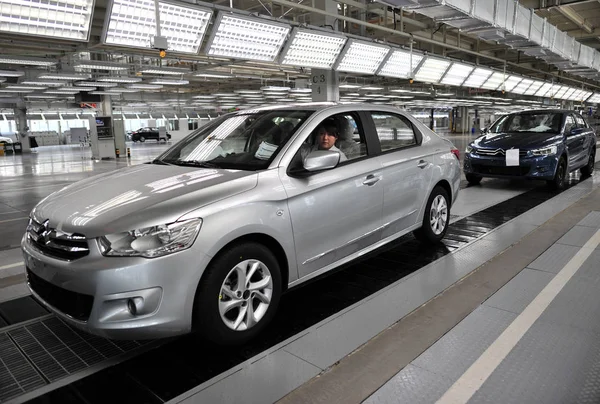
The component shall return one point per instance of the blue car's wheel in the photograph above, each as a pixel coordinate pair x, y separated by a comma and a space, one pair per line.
558, 182
589, 167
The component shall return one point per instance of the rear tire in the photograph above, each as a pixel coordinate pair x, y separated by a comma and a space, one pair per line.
473, 179
228, 312
142, 139
558, 182
435, 218
589, 167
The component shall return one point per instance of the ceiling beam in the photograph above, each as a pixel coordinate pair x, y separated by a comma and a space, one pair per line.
574, 17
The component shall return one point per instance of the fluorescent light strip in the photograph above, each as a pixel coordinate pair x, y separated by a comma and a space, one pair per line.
116, 79
142, 86
172, 71
544, 90
48, 83
533, 88
399, 64
560, 94
20, 87
522, 86
11, 73
494, 81
133, 23
247, 38
432, 70
477, 77
215, 75
554, 90
100, 65
95, 84
457, 74
307, 48
569, 93
105, 93
17, 60
63, 76
170, 82
64, 19
510, 83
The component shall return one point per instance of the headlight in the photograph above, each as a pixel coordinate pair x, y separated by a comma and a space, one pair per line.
548, 151
151, 242
469, 149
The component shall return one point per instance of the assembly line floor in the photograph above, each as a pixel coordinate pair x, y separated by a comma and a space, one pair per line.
503, 310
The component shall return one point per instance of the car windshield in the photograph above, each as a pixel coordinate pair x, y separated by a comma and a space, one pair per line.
537, 122
240, 141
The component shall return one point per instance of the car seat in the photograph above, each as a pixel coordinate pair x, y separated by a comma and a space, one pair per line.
345, 141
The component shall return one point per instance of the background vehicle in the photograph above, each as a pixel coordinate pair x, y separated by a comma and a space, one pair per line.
211, 233
143, 134
545, 144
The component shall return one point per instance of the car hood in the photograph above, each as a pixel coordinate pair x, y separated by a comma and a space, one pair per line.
518, 140
138, 196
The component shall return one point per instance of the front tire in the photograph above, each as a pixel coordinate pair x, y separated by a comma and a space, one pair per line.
142, 139
435, 218
589, 167
558, 182
238, 294
473, 179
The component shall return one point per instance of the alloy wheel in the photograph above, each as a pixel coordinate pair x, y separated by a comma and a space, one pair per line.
245, 295
438, 216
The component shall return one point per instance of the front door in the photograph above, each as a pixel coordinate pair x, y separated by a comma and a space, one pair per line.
336, 212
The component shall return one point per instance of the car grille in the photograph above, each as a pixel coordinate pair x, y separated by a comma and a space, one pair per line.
56, 244
76, 305
496, 152
516, 171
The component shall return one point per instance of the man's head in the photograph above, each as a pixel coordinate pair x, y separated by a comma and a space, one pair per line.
326, 136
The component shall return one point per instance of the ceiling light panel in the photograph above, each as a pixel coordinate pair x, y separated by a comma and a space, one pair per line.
11, 73
122, 79
544, 90
477, 77
95, 84
576, 95
170, 71
27, 61
432, 70
63, 76
522, 86
494, 81
49, 83
399, 64
560, 94
246, 38
554, 90
569, 93
314, 49
510, 83
133, 23
361, 57
100, 65
170, 82
533, 88
586, 96
142, 86
456, 74
21, 87
64, 19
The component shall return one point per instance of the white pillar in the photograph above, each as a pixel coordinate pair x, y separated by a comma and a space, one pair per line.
325, 83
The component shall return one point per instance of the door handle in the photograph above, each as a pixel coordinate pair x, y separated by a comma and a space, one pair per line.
423, 164
371, 180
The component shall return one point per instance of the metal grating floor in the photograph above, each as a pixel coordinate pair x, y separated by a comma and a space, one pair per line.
45, 351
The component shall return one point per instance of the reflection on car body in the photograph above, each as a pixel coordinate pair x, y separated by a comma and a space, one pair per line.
212, 232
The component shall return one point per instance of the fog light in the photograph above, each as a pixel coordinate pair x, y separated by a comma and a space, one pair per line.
131, 307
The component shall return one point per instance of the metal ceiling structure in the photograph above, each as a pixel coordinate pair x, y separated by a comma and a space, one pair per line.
238, 53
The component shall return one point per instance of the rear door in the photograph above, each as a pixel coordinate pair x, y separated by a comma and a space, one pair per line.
573, 141
407, 170
587, 139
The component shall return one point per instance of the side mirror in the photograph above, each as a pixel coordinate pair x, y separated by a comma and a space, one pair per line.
484, 131
321, 160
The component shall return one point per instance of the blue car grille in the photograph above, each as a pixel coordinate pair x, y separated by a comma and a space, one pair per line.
512, 171
495, 152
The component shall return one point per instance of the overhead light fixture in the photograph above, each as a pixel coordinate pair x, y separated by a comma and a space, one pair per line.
41, 96
120, 79
2, 90
477, 77
64, 19
96, 84
63, 76
142, 86
275, 88
133, 23
569, 93
20, 87
544, 90
214, 75
11, 73
351, 86
510, 83
2, 79
29, 61
247, 38
398, 64
560, 94
361, 57
100, 65
300, 90
431, 70
172, 71
48, 83
76, 88
457, 74
494, 81
522, 86
311, 48
533, 88
105, 93
61, 92
170, 82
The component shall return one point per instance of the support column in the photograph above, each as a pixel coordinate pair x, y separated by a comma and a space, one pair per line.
325, 83
432, 120
20, 114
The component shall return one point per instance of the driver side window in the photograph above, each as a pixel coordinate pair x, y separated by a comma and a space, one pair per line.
570, 124
341, 133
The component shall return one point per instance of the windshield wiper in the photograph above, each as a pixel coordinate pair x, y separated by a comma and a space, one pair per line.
196, 163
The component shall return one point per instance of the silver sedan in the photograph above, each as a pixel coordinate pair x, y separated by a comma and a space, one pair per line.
209, 235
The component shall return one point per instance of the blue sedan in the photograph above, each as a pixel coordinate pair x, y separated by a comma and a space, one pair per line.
539, 144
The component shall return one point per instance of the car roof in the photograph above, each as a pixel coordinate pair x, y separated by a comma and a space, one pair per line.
553, 110
317, 106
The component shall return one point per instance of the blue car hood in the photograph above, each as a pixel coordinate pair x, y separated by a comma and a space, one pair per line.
517, 140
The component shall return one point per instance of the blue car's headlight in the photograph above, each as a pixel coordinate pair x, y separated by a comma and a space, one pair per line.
468, 149
151, 242
547, 151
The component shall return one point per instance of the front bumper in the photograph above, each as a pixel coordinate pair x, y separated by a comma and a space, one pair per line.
97, 294
539, 167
